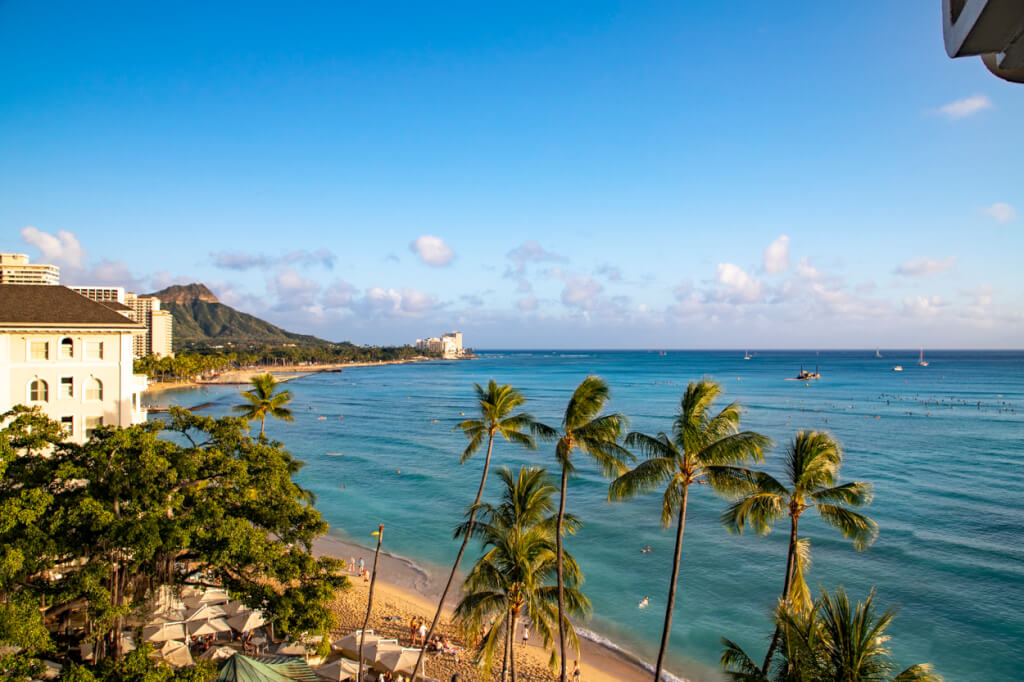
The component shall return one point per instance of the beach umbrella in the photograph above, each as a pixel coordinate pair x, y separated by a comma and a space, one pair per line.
205, 612
163, 632
399, 660
233, 608
177, 654
217, 653
246, 621
349, 644
341, 669
208, 627
372, 652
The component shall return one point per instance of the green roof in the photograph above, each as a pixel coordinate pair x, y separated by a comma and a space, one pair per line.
241, 668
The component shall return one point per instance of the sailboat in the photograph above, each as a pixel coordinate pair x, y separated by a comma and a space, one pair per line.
747, 355
878, 353
922, 362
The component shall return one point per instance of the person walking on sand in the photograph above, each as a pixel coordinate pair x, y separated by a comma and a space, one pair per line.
351, 564
576, 671
362, 565
423, 633
526, 634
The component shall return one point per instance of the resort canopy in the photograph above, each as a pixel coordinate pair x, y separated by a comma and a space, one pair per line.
162, 632
400, 661
177, 654
240, 668
217, 653
349, 644
342, 669
247, 620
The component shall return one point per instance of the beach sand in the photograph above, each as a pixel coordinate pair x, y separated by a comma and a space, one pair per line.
404, 591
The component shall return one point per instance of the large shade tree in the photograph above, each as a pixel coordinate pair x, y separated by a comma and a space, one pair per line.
131, 511
812, 465
262, 401
497, 418
833, 641
515, 576
584, 430
704, 447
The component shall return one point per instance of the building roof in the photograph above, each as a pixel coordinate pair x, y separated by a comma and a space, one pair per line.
240, 668
48, 305
114, 305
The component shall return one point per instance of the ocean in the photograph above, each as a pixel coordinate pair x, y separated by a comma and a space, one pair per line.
941, 444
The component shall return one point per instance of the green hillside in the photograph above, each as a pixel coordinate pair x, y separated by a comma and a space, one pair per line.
200, 319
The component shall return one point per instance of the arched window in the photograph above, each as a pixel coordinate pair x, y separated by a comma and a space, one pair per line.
67, 349
93, 389
38, 391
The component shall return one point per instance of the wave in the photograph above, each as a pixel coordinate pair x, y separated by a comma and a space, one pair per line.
632, 658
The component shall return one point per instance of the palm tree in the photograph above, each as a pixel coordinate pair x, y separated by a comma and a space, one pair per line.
513, 578
261, 401
833, 640
812, 469
597, 435
496, 404
703, 448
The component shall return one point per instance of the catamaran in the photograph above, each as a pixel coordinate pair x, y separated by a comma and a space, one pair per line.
878, 353
922, 361
747, 355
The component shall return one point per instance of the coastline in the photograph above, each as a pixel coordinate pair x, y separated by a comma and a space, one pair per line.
403, 585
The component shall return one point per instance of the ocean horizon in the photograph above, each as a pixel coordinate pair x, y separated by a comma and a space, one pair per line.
939, 443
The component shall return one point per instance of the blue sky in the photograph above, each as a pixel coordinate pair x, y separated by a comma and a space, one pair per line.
636, 175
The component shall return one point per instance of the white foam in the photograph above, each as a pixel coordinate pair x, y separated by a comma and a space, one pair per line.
612, 646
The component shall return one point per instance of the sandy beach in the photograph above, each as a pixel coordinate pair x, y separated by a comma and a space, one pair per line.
404, 591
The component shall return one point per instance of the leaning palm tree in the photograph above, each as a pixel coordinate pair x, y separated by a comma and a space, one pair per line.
833, 640
597, 435
812, 470
496, 404
513, 579
703, 448
262, 401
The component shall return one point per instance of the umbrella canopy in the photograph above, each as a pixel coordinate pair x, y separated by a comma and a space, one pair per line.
205, 612
177, 654
246, 621
372, 652
341, 669
233, 608
399, 660
349, 644
217, 653
208, 627
162, 632
241, 668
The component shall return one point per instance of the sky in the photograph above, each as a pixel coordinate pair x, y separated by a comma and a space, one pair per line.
536, 175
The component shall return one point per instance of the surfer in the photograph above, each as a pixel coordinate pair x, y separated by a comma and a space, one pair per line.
643, 603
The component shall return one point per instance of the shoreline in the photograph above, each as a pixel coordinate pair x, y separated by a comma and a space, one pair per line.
283, 374
421, 586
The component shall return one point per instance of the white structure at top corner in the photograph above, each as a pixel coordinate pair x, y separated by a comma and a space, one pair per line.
15, 269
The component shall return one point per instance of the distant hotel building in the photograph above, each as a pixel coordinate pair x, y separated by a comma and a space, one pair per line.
15, 269
156, 339
70, 356
448, 345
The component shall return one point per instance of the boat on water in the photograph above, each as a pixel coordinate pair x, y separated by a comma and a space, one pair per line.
747, 355
898, 368
804, 375
878, 353
922, 362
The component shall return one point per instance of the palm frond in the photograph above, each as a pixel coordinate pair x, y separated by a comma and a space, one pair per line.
738, 665
642, 479
852, 525
855, 494
758, 511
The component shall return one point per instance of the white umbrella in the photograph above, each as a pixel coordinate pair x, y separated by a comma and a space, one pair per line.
372, 652
399, 660
177, 654
244, 622
205, 612
162, 632
349, 644
217, 653
233, 608
341, 669
208, 627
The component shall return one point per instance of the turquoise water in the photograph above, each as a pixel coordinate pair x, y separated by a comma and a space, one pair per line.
941, 445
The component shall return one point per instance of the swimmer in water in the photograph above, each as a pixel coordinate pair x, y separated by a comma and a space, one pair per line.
643, 603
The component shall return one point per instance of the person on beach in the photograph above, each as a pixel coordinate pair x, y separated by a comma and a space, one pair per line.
576, 671
423, 633
362, 565
352, 564
643, 603
526, 634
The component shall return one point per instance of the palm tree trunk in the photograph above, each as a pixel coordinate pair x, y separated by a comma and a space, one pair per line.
558, 570
369, 605
512, 642
462, 550
508, 651
786, 585
666, 630
263, 422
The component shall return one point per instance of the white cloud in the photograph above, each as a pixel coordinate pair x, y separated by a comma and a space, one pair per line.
805, 270
339, 294
432, 250
776, 256
1000, 212
738, 285
398, 302
968, 106
579, 291
293, 290
530, 251
612, 273
922, 306
925, 266
527, 303
240, 260
61, 249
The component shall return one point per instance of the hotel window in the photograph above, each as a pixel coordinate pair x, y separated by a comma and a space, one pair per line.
68, 424
67, 387
40, 350
67, 349
93, 350
38, 391
93, 389
91, 424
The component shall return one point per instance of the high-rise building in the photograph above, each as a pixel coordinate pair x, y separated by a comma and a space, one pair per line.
448, 345
156, 338
70, 356
15, 269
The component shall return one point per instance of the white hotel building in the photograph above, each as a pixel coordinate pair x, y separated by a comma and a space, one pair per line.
71, 356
